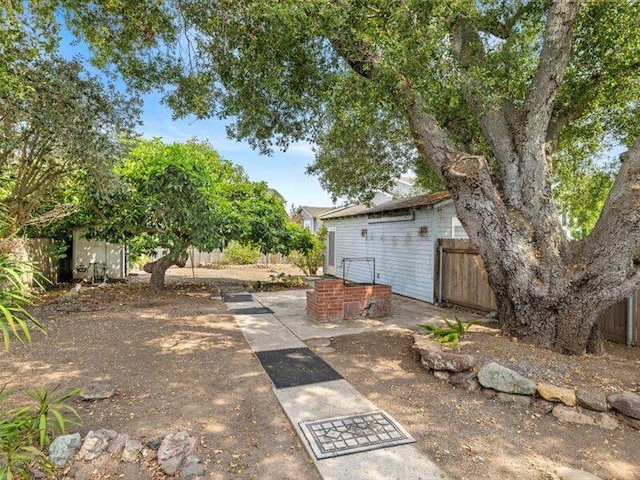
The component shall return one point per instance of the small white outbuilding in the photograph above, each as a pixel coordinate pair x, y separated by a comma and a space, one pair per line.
393, 243
90, 254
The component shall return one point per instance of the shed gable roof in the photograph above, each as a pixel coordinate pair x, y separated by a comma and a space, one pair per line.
402, 203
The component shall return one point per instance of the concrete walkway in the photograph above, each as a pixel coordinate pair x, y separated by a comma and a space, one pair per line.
286, 328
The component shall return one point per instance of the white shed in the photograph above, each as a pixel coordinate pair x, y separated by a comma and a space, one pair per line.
89, 254
394, 243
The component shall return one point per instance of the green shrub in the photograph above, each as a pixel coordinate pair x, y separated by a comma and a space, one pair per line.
25, 431
14, 297
450, 334
237, 254
309, 262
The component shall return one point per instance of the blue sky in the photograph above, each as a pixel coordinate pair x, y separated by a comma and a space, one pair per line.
284, 171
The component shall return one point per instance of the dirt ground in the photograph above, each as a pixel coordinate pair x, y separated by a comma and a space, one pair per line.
180, 362
472, 437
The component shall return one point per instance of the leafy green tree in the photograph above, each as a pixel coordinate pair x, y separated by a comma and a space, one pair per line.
184, 195
58, 126
485, 97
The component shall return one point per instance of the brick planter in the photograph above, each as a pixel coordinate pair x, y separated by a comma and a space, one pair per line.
331, 300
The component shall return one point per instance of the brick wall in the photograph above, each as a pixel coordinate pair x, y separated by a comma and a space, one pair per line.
331, 300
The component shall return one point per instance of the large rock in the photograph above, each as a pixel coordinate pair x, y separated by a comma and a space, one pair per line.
95, 443
63, 448
155, 442
592, 399
584, 417
553, 393
505, 380
572, 415
626, 402
193, 469
174, 448
98, 391
116, 446
434, 358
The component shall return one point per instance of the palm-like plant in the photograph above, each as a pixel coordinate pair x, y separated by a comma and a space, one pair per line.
15, 320
449, 335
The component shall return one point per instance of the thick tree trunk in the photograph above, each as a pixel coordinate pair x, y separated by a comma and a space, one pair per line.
158, 269
568, 325
550, 291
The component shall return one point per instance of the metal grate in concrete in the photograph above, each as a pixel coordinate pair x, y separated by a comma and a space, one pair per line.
333, 437
251, 311
237, 297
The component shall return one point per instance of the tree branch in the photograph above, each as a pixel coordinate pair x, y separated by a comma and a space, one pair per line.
495, 122
358, 56
556, 49
614, 242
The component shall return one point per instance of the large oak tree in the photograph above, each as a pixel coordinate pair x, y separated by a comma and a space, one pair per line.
488, 97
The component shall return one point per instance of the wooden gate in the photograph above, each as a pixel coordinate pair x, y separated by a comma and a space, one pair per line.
464, 280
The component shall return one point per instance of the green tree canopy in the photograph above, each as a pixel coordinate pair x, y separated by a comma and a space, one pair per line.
182, 195
58, 127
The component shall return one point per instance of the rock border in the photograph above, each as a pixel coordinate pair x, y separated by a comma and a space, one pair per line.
174, 452
492, 380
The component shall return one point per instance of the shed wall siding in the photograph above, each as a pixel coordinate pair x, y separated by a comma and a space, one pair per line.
404, 260
86, 251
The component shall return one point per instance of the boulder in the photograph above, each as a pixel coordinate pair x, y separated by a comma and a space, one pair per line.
116, 446
98, 391
192, 470
488, 393
553, 393
95, 443
434, 358
585, 417
174, 448
627, 403
592, 399
154, 443
572, 415
505, 380
465, 380
62, 448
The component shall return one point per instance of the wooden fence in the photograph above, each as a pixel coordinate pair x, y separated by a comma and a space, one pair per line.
207, 259
464, 283
464, 280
